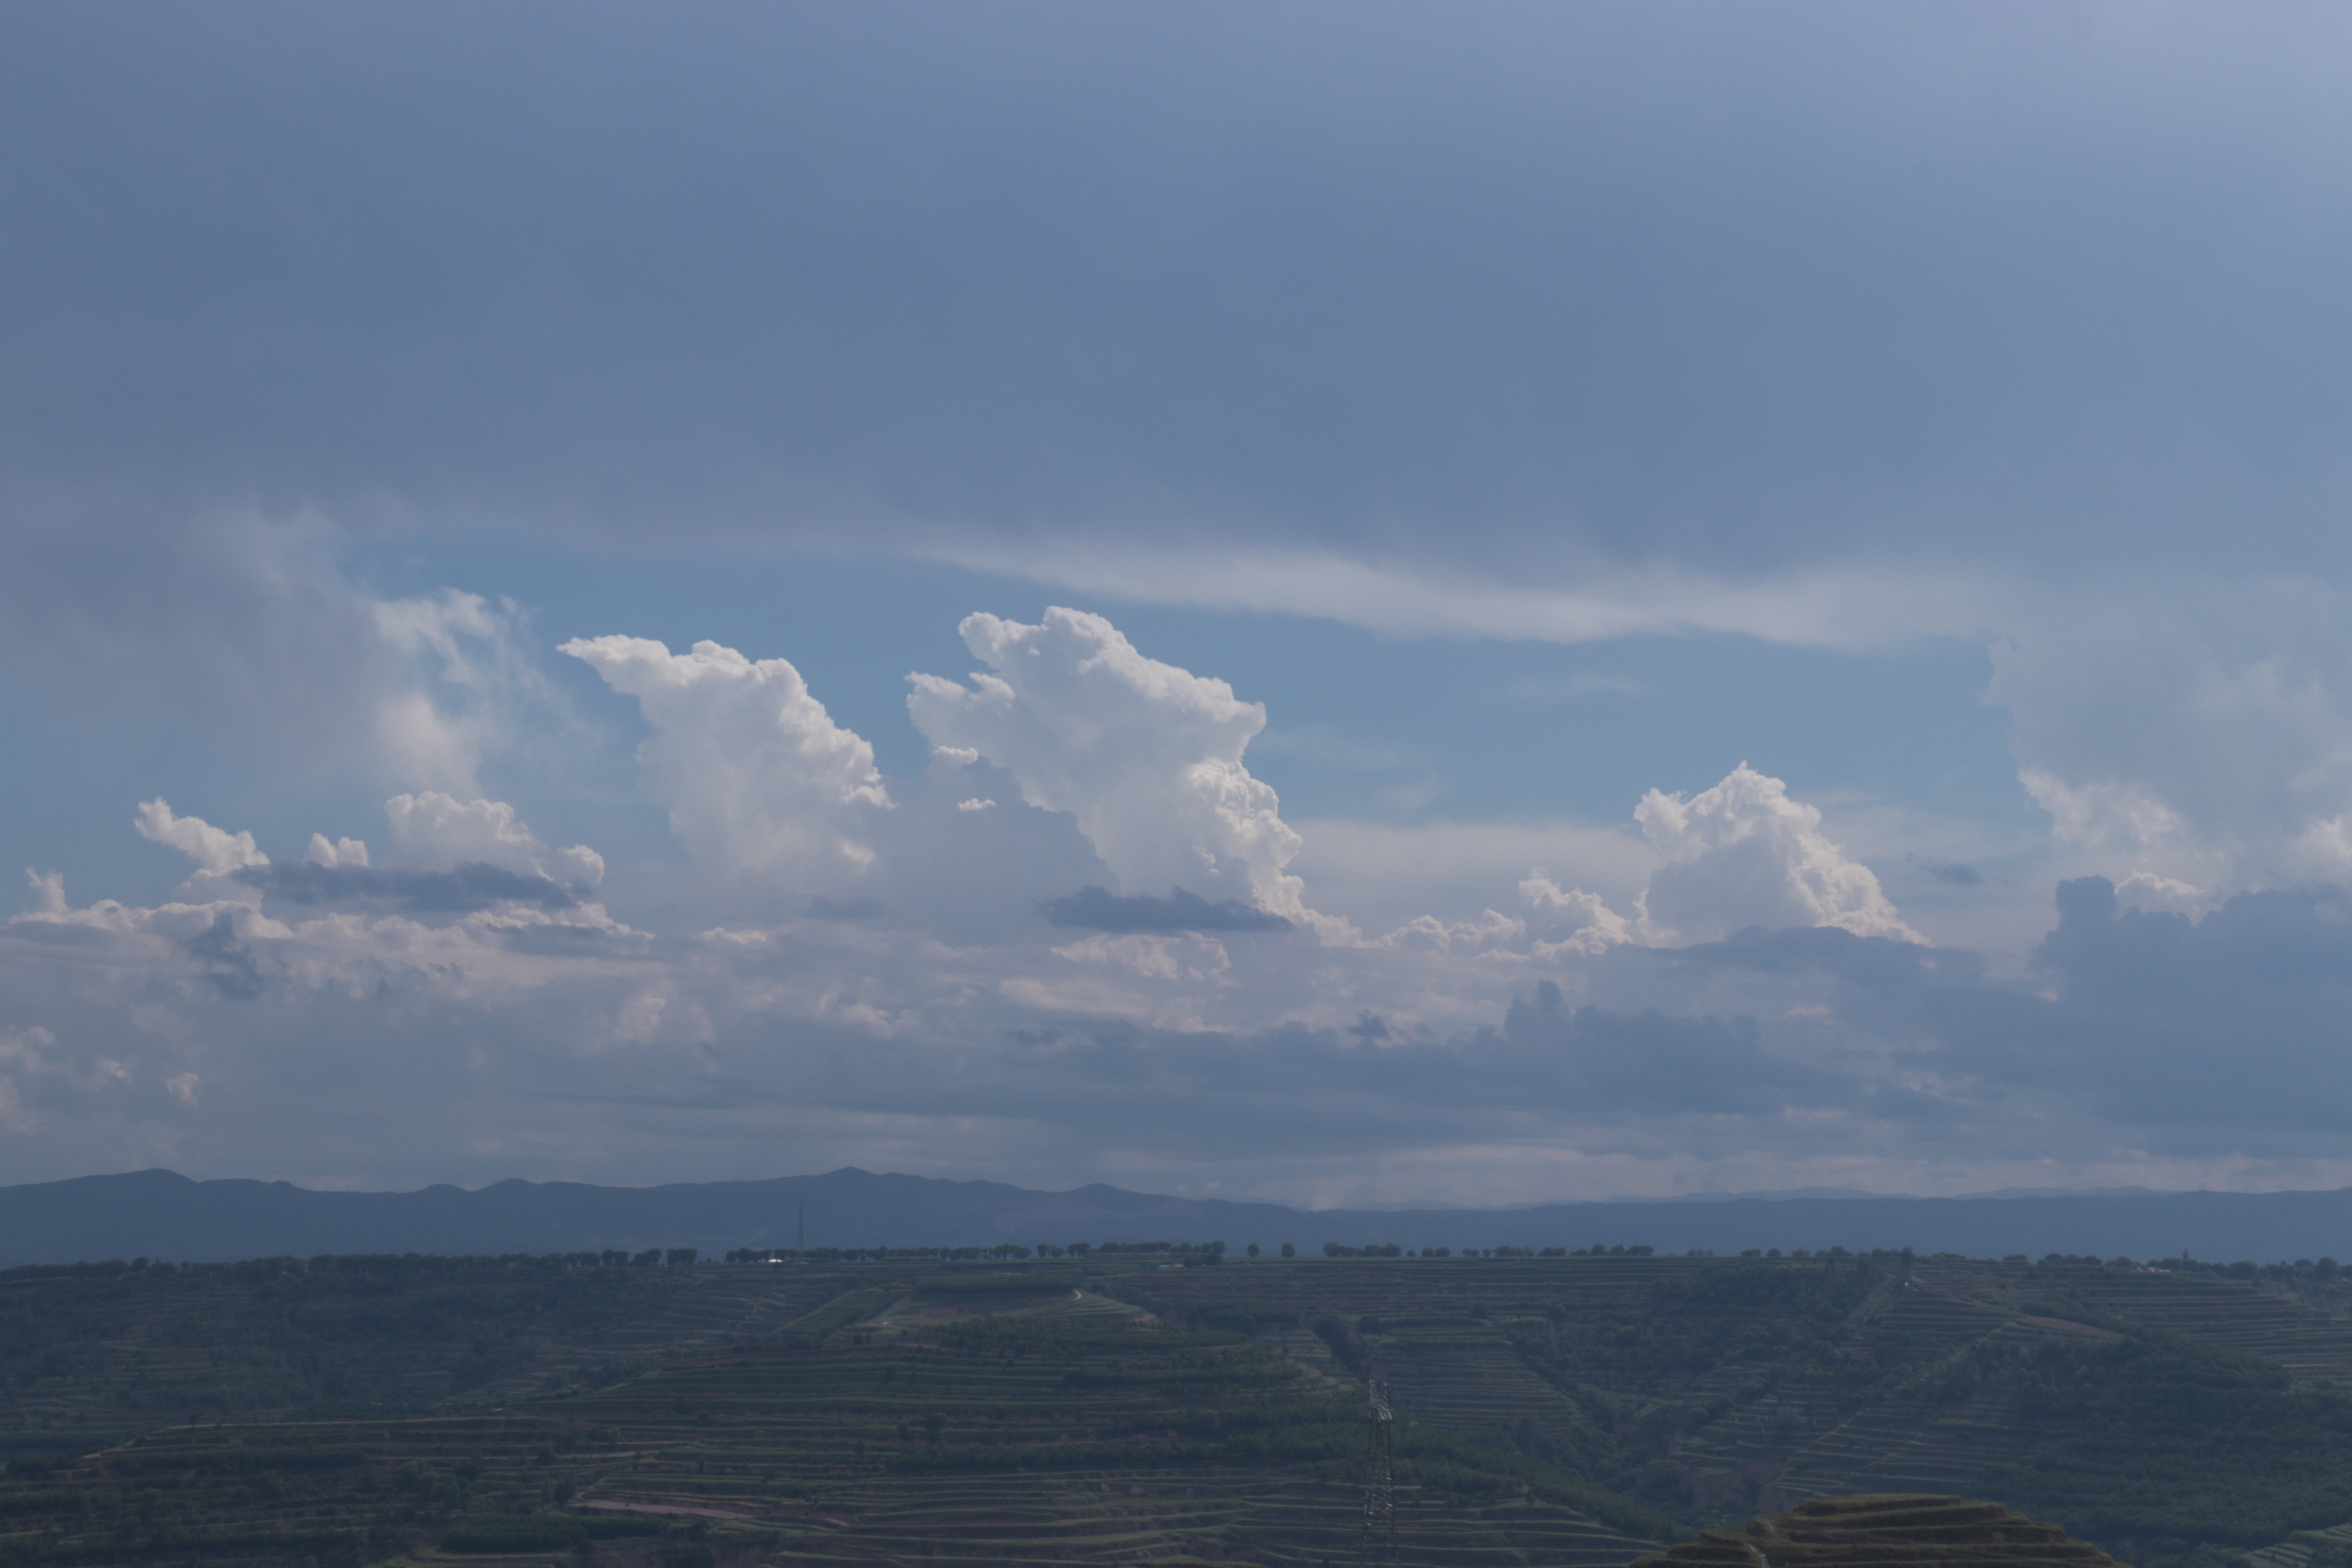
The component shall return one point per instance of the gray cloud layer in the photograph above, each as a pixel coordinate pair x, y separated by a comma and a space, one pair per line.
2005, 316
471, 886
1748, 287
1098, 909
402, 1052
2198, 1034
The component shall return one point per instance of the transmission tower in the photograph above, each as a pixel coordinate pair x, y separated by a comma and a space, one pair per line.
1380, 1543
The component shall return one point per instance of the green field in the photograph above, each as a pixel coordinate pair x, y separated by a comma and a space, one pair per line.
1570, 1410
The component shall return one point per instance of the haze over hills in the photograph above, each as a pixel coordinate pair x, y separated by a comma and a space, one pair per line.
162, 1214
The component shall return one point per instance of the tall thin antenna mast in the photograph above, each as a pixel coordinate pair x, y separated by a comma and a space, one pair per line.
1380, 1543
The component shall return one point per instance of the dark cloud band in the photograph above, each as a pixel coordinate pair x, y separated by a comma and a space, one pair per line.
472, 886
1098, 909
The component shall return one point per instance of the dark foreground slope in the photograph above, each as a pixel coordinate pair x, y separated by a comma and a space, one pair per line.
1565, 1409
2168, 1417
157, 1213
1883, 1530
1001, 1418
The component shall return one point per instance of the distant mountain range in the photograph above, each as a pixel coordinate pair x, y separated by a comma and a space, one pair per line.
158, 1213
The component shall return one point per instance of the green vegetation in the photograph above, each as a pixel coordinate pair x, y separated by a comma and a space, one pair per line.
1846, 1531
2164, 1443
90, 1351
1102, 1405
2113, 1400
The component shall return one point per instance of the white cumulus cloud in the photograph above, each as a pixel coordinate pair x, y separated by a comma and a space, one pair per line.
1147, 756
757, 777
1573, 919
336, 852
213, 850
433, 831
1741, 854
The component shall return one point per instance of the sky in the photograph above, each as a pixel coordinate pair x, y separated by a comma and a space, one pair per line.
1334, 603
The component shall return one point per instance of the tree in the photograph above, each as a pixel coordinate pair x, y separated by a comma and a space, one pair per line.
1253, 1250
1288, 1250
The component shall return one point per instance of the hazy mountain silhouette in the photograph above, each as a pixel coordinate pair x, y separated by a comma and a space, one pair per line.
158, 1213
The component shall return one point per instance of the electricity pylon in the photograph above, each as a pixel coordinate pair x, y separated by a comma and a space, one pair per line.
1380, 1543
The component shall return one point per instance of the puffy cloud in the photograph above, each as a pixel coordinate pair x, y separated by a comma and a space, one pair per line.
455, 856
341, 852
1744, 854
1147, 757
1573, 919
215, 851
1084, 405
330, 1035
1740, 854
954, 1005
437, 832
758, 779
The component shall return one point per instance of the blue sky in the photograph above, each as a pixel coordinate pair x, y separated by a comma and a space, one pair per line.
1745, 516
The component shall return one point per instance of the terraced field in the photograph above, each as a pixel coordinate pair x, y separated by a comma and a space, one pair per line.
2303, 1548
1870, 1531
91, 1353
1004, 1417
2315, 1348
1711, 1387
1562, 1410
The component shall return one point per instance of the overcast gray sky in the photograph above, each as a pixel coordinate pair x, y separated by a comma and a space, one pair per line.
1614, 598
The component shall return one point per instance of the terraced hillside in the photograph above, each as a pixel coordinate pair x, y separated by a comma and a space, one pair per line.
2314, 1346
90, 1351
1884, 1530
1004, 1417
1564, 1410
1036, 1433
1711, 1387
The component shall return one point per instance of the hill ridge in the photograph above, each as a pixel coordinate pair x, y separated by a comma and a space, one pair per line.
162, 1213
